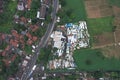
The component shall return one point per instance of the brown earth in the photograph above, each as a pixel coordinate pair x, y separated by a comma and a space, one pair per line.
116, 12
97, 8
111, 51
117, 34
103, 39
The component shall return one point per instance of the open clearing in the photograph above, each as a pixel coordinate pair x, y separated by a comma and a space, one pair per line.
98, 26
92, 60
103, 39
114, 2
111, 51
77, 8
97, 8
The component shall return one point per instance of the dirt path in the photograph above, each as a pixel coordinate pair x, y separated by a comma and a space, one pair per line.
97, 47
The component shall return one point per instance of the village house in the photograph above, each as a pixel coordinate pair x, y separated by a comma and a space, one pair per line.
1, 6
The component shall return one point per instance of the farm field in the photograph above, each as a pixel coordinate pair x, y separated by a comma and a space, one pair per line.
92, 60
97, 8
114, 2
101, 30
78, 9
98, 26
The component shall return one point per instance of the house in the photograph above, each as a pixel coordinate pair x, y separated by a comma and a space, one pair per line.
23, 20
15, 33
28, 4
29, 35
42, 12
34, 38
1, 6
29, 42
14, 43
33, 27
20, 6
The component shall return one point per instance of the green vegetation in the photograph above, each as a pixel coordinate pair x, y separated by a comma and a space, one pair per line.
100, 25
33, 11
93, 60
6, 17
28, 49
72, 12
77, 8
114, 2
10, 70
44, 55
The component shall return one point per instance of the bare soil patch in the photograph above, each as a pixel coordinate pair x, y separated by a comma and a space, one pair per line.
98, 8
116, 12
117, 34
111, 51
103, 39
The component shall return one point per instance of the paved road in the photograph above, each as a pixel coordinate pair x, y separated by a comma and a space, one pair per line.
42, 43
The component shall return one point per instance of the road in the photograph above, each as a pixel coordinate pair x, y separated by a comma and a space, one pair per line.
42, 42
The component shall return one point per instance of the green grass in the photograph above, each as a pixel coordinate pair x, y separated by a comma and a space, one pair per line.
78, 9
100, 25
92, 60
6, 18
115, 2
28, 49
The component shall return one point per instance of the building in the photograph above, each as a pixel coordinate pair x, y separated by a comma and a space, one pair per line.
42, 12
28, 4
20, 6
1, 6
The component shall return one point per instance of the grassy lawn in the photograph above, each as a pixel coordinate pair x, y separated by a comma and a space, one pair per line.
92, 60
78, 9
28, 49
6, 18
114, 2
100, 25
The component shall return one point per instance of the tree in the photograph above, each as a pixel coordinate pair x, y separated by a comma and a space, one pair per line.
88, 62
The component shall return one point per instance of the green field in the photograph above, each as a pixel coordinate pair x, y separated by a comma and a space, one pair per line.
92, 60
100, 25
114, 2
78, 9
6, 18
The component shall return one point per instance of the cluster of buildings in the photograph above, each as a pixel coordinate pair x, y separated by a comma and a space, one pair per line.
15, 42
24, 5
77, 37
1, 6
63, 60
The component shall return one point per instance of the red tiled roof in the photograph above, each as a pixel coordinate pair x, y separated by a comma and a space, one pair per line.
13, 58
29, 35
7, 62
3, 36
34, 28
29, 3
15, 34
29, 42
34, 38
14, 42
3, 53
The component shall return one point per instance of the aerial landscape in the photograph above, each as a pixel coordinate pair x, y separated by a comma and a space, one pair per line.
59, 39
